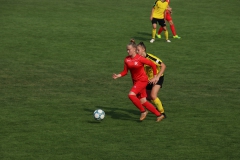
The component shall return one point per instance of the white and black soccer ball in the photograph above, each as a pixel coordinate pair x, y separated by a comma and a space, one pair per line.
99, 114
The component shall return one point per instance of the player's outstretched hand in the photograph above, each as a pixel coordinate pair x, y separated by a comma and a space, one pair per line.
115, 76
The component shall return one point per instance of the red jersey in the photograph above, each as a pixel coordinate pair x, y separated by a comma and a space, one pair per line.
136, 67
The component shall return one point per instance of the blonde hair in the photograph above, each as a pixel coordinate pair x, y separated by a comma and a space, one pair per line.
132, 43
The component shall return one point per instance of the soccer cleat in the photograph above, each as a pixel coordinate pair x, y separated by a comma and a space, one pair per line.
164, 115
143, 115
152, 40
176, 37
158, 35
168, 40
159, 118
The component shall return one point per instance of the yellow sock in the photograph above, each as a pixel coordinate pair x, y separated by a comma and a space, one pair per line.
157, 102
153, 33
166, 34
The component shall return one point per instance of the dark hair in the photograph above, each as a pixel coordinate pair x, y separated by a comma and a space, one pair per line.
142, 45
132, 43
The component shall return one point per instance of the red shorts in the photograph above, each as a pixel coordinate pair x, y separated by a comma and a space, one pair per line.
168, 17
139, 88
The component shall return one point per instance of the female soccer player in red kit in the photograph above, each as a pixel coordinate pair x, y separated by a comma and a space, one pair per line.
170, 21
135, 63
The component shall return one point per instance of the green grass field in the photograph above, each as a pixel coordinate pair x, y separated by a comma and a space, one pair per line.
57, 58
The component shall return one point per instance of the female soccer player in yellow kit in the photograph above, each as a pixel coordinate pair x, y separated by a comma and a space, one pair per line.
156, 83
158, 16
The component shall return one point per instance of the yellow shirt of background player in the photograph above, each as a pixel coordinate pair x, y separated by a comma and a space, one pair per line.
159, 9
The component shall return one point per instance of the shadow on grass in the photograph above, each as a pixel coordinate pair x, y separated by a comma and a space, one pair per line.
143, 36
94, 122
117, 113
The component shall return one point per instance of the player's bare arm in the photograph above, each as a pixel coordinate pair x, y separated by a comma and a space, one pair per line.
169, 9
162, 70
151, 16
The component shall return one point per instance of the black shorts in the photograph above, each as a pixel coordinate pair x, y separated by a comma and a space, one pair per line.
160, 82
161, 22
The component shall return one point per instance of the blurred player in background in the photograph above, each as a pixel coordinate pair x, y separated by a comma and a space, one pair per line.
169, 19
157, 82
158, 16
135, 63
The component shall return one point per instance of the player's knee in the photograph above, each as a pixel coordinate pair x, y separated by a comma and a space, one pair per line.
131, 95
153, 96
143, 100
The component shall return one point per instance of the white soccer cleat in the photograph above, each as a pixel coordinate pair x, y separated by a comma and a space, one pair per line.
152, 40
143, 115
160, 118
168, 40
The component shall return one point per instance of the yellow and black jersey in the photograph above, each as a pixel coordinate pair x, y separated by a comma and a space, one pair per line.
155, 60
159, 9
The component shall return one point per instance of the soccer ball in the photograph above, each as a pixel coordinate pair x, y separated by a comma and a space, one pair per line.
99, 114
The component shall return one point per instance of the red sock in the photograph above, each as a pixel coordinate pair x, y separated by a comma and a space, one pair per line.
173, 30
151, 108
136, 102
160, 30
